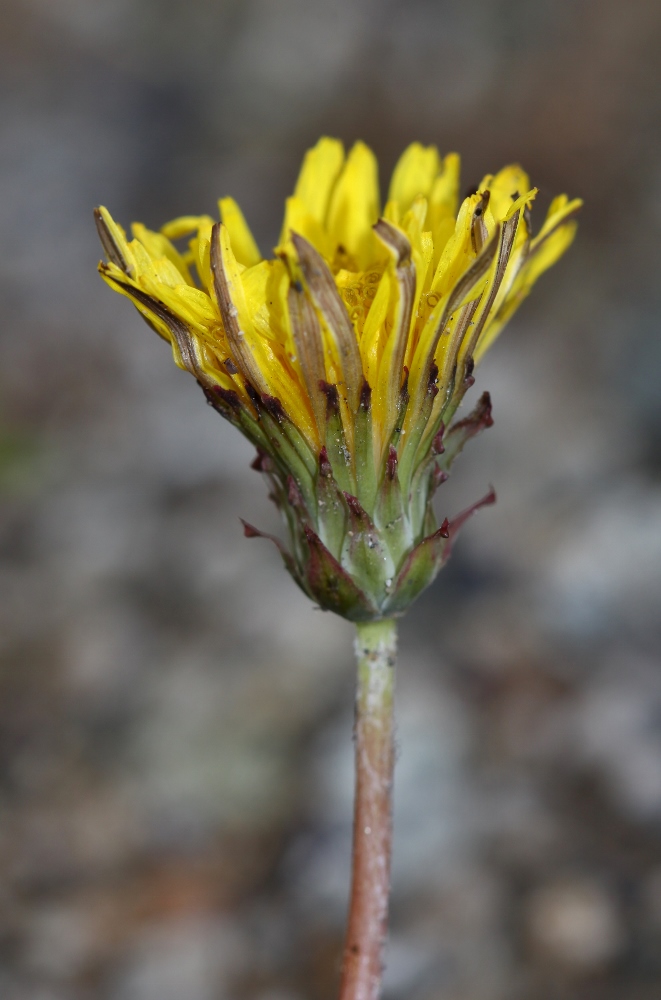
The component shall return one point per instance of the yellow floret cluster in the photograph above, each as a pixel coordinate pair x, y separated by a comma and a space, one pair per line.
419, 288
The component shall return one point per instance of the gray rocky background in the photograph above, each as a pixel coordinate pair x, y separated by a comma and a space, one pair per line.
175, 719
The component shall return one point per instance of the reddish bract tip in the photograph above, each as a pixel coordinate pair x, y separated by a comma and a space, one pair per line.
391, 463
365, 395
332, 399
262, 462
249, 531
485, 409
325, 468
253, 395
273, 406
293, 493
215, 394
439, 476
437, 445
354, 505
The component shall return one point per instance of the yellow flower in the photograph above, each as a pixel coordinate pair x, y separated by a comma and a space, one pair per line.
345, 355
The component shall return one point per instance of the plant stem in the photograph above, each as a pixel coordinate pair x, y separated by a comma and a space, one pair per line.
376, 648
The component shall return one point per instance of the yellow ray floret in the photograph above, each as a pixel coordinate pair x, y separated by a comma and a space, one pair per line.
400, 304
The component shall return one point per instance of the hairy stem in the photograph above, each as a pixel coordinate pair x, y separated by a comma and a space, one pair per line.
376, 647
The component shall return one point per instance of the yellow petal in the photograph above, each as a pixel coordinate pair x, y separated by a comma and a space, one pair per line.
321, 168
414, 174
158, 246
261, 361
200, 250
184, 225
392, 212
114, 241
560, 209
506, 187
116, 279
458, 252
298, 219
371, 343
354, 207
401, 313
245, 249
553, 240
432, 292
159, 272
261, 286
445, 191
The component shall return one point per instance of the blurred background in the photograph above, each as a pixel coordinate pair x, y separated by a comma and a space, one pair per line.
175, 718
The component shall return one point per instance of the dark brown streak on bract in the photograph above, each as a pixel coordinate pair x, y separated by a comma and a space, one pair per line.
254, 396
306, 331
111, 250
224, 401
400, 248
505, 245
242, 355
404, 390
477, 269
332, 398
365, 396
274, 408
323, 291
479, 231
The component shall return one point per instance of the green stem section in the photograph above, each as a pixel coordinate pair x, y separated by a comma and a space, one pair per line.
376, 648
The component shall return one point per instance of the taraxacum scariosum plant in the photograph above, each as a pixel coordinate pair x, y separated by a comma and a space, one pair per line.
344, 358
